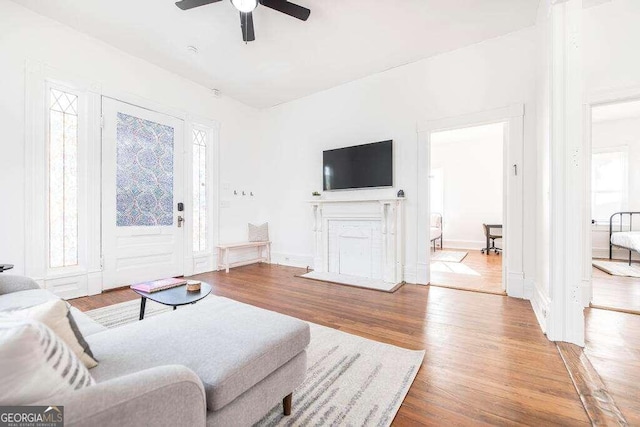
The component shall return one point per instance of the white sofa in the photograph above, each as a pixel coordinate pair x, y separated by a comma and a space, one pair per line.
218, 362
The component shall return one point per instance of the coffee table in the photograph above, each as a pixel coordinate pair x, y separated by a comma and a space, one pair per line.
173, 297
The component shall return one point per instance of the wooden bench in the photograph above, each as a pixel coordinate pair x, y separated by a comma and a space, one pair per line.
223, 254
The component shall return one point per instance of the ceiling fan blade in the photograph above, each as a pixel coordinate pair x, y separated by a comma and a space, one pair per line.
190, 4
287, 8
246, 22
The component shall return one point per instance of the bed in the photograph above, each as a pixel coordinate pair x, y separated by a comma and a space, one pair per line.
622, 238
435, 231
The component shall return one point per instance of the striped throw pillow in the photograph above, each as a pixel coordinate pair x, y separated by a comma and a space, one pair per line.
259, 233
36, 364
56, 315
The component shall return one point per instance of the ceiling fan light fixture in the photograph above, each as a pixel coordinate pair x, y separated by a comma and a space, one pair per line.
245, 6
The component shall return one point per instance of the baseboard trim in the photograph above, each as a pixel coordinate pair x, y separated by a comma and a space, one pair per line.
516, 284
529, 288
618, 254
422, 273
541, 305
465, 244
292, 260
410, 275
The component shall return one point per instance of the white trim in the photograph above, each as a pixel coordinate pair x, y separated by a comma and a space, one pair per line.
207, 260
513, 205
70, 281
595, 99
292, 260
89, 277
470, 245
540, 303
565, 317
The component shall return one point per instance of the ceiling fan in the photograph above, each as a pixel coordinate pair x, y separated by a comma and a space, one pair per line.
246, 8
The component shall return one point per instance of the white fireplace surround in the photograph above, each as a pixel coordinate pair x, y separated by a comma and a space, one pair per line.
359, 237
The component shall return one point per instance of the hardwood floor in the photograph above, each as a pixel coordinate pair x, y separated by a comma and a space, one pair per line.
596, 399
477, 272
613, 347
486, 362
616, 292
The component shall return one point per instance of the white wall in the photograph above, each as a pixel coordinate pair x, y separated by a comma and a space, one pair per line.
611, 43
26, 35
493, 74
612, 69
618, 133
472, 185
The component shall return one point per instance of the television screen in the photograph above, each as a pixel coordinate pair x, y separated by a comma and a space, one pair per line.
361, 166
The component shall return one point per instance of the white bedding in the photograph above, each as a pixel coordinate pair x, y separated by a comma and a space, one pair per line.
627, 239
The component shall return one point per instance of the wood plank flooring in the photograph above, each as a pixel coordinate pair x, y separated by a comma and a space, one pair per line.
486, 362
476, 272
613, 347
595, 396
620, 293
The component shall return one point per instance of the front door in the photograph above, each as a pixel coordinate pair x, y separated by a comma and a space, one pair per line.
142, 184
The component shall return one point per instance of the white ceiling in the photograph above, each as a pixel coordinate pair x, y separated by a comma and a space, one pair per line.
343, 40
618, 111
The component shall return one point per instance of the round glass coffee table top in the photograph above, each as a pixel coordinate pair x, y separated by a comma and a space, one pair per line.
173, 297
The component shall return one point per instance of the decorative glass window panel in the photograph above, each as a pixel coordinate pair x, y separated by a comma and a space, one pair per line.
609, 184
63, 179
199, 190
144, 174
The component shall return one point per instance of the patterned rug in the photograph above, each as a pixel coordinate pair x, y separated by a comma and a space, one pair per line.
618, 268
448, 256
350, 380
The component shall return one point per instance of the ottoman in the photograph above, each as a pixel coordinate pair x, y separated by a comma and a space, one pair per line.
248, 359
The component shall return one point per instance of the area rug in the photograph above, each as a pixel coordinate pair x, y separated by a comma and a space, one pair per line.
618, 268
350, 380
359, 282
448, 256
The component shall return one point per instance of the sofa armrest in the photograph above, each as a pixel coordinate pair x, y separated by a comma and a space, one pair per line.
168, 395
11, 283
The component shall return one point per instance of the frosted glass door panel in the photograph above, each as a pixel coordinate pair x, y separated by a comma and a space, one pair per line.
144, 176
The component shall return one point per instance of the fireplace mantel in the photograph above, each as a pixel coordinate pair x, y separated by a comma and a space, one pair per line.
387, 211
387, 200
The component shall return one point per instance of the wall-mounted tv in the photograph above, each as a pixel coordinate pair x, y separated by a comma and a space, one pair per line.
360, 166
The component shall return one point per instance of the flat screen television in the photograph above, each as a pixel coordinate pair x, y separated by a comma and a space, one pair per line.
360, 166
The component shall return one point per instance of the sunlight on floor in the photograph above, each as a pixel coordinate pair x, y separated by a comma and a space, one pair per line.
453, 267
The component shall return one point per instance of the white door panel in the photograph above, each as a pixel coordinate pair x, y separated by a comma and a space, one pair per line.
142, 184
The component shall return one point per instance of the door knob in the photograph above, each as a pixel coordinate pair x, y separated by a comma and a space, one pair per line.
180, 220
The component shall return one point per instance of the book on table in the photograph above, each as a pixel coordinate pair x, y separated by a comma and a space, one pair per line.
158, 285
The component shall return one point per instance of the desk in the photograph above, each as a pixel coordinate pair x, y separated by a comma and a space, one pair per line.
491, 238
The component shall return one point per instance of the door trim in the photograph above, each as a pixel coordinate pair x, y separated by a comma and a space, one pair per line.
180, 184
513, 271
603, 97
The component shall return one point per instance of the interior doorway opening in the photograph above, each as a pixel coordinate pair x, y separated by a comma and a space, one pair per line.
615, 206
467, 192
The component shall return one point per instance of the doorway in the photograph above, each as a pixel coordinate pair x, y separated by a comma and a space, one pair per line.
615, 206
466, 183
142, 194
